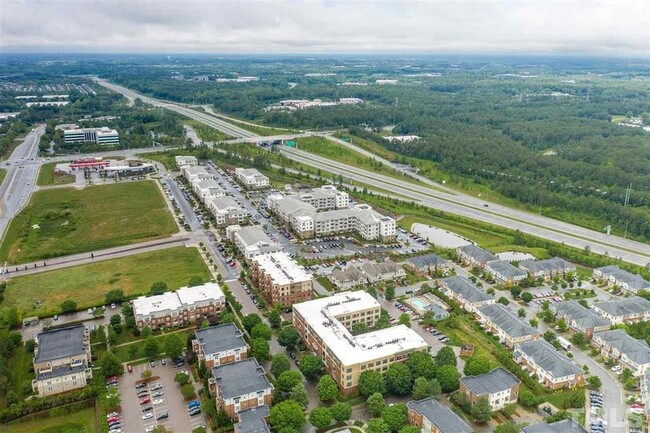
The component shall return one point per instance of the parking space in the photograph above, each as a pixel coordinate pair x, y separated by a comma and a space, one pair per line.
158, 402
432, 340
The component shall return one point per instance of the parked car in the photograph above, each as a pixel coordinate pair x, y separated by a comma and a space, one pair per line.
163, 415
140, 385
193, 404
145, 401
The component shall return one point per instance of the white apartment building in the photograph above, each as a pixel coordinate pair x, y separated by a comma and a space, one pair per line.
325, 198
226, 211
182, 161
207, 189
193, 173
102, 136
250, 178
252, 241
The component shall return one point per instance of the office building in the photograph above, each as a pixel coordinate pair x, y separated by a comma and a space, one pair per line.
102, 136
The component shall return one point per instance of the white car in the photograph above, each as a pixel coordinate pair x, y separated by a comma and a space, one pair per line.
158, 401
616, 368
150, 428
148, 415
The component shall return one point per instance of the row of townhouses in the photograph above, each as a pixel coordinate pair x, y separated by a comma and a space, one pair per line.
370, 272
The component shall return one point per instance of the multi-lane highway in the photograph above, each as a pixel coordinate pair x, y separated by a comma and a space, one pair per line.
434, 196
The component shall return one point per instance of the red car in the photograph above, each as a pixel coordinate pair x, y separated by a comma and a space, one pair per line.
113, 419
145, 400
233, 264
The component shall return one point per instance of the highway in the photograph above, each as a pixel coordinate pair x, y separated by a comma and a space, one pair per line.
435, 197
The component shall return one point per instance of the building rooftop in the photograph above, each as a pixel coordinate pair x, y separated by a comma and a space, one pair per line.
322, 313
282, 268
466, 289
478, 254
634, 281
445, 420
60, 343
584, 318
249, 172
172, 301
505, 269
548, 358
220, 338
186, 159
225, 203
555, 264
635, 350
61, 370
426, 260
565, 426
253, 420
496, 380
240, 378
204, 292
349, 274
381, 268
507, 321
193, 170
208, 183
625, 306
255, 236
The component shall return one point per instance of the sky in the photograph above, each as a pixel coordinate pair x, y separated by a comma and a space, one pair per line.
548, 27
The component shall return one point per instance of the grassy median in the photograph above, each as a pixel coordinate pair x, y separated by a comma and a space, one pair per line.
77, 422
47, 176
59, 222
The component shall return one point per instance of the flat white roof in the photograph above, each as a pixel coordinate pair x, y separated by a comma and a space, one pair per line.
205, 292
321, 315
282, 268
185, 296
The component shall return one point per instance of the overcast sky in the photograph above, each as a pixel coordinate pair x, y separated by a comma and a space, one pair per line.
599, 27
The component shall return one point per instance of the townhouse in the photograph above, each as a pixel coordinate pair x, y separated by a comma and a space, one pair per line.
619, 277
579, 318
498, 320
432, 417
428, 264
387, 270
250, 178
627, 351
252, 241
474, 256
348, 278
626, 310
220, 345
281, 279
466, 293
553, 369
565, 426
505, 273
548, 269
499, 386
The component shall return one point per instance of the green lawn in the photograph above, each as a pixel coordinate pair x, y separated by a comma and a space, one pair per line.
78, 422
87, 284
47, 176
134, 351
259, 129
64, 221
19, 364
539, 253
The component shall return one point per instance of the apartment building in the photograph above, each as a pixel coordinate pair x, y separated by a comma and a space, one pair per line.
280, 279
324, 325
62, 360
565, 426
103, 136
627, 351
474, 256
428, 264
193, 173
552, 369
579, 318
626, 310
252, 241
619, 277
227, 211
207, 189
240, 386
219, 345
466, 293
253, 420
327, 197
505, 273
498, 320
179, 307
499, 386
548, 269
250, 178
182, 161
348, 278
432, 417
387, 270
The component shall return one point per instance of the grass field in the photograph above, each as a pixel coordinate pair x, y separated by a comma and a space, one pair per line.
65, 221
135, 350
78, 422
260, 130
87, 284
47, 177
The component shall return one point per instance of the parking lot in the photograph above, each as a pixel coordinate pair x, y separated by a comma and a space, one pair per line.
172, 401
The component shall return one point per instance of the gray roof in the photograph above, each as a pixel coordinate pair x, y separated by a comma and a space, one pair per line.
635, 281
507, 321
242, 377
61, 370
226, 203
465, 289
625, 307
253, 420
555, 264
495, 381
478, 254
381, 268
350, 274
436, 309
441, 416
426, 261
60, 343
548, 358
565, 426
584, 318
220, 338
636, 350
505, 269
252, 235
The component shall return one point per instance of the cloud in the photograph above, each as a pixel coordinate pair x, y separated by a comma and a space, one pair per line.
600, 27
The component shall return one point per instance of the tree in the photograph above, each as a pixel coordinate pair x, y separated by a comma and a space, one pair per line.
320, 417
250, 320
533, 323
375, 404
226, 318
448, 377
174, 345
182, 378
528, 399
146, 332
145, 374
377, 425
110, 364
311, 366
578, 339
150, 349
481, 410
410, 429
389, 293
404, 319
261, 330
287, 380
562, 325
260, 349
503, 300
423, 388
299, 394
398, 379
594, 382
508, 427
68, 306
287, 413
341, 411
288, 337
371, 382
359, 328
558, 416
187, 391
116, 319
478, 365
115, 296
515, 291
158, 288
421, 364
395, 416
275, 318
279, 364
327, 388
383, 322
526, 297
521, 312
446, 356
